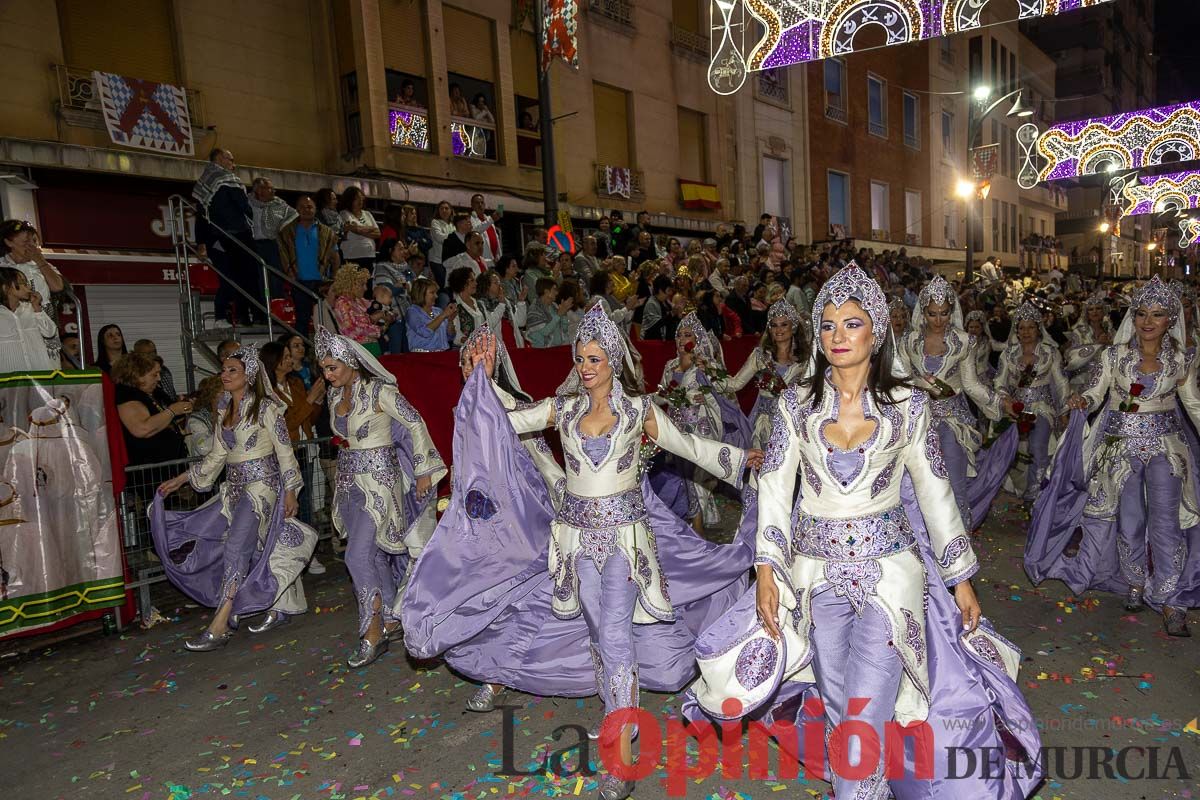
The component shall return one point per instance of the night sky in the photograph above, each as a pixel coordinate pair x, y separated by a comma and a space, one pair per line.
1179, 60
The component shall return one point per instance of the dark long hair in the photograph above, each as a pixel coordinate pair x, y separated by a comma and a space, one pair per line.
801, 346
881, 383
255, 387
102, 353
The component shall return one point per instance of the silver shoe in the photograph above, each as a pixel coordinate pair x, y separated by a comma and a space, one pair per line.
367, 653
1134, 601
613, 788
394, 635
208, 641
1175, 621
273, 619
594, 732
484, 699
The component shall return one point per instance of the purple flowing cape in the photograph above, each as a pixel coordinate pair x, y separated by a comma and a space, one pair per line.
991, 465
1058, 517
480, 594
191, 547
973, 703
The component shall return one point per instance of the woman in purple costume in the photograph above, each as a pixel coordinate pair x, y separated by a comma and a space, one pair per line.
241, 552
863, 585
502, 586
1127, 484
940, 356
386, 476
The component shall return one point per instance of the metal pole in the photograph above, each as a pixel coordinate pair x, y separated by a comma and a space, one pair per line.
969, 267
549, 177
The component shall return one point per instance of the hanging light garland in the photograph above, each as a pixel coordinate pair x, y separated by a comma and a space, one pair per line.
1155, 194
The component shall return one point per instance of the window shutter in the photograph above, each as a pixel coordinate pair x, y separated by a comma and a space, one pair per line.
403, 33
524, 64
470, 45
127, 37
692, 164
612, 126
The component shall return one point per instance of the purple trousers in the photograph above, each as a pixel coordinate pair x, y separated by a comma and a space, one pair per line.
1148, 513
241, 542
607, 598
956, 465
1039, 454
854, 662
376, 573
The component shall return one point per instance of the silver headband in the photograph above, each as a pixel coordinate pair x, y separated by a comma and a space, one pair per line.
248, 355
330, 345
851, 283
978, 315
1026, 312
782, 308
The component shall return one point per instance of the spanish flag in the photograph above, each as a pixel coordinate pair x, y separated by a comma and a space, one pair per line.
699, 195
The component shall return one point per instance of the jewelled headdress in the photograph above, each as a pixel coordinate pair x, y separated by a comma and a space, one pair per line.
248, 355
851, 283
502, 359
937, 291
598, 327
1097, 298
1153, 293
782, 308
1026, 312
691, 324
329, 345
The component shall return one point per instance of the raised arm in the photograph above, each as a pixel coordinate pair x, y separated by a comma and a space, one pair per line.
923, 459
737, 382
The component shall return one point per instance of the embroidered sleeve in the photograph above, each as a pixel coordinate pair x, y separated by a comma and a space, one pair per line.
396, 406
1099, 378
203, 474
987, 400
923, 460
281, 443
776, 488
721, 460
536, 417
1189, 395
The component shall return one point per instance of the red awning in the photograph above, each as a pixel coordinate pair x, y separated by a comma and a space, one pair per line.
89, 267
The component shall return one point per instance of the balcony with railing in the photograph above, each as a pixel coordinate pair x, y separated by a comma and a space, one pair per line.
617, 14
689, 44
835, 107
620, 182
78, 101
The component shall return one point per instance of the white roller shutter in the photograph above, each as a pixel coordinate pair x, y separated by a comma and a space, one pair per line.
143, 312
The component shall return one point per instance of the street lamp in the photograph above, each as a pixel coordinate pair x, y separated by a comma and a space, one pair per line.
980, 96
964, 188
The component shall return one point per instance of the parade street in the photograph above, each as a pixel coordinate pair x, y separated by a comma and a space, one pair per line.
281, 716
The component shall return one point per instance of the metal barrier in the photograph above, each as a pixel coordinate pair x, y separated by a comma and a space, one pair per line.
318, 462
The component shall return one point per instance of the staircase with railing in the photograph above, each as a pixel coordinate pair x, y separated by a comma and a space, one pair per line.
198, 329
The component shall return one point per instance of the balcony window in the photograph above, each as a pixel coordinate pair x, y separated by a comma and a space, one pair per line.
912, 121
835, 89
947, 134
529, 132
772, 85
408, 110
876, 106
839, 204
880, 229
472, 121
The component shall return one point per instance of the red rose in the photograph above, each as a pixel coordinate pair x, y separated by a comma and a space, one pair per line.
689, 347
673, 385
1018, 406
1136, 390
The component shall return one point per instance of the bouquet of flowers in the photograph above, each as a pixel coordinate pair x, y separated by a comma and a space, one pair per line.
1024, 419
768, 381
679, 397
648, 450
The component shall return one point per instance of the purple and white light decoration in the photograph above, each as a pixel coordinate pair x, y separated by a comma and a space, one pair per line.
1132, 140
1151, 194
796, 31
1189, 232
409, 128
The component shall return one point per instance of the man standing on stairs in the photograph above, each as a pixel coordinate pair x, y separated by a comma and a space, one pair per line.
223, 232
269, 215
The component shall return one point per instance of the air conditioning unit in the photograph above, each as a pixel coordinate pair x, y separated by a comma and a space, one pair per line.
16, 181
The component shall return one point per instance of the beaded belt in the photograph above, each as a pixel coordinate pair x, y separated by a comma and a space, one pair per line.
256, 469
1120, 423
854, 538
949, 406
609, 511
380, 460
1034, 394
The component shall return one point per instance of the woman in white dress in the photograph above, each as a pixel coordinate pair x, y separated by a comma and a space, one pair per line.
24, 325
241, 552
778, 362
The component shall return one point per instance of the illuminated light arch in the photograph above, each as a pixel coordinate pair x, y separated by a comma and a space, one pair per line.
1175, 142
1139, 138
1155, 193
1189, 232
1117, 159
799, 31
900, 19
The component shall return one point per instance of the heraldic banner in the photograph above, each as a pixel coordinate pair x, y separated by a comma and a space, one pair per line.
60, 553
145, 114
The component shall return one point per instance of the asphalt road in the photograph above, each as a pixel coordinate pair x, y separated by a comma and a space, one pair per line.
281, 716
